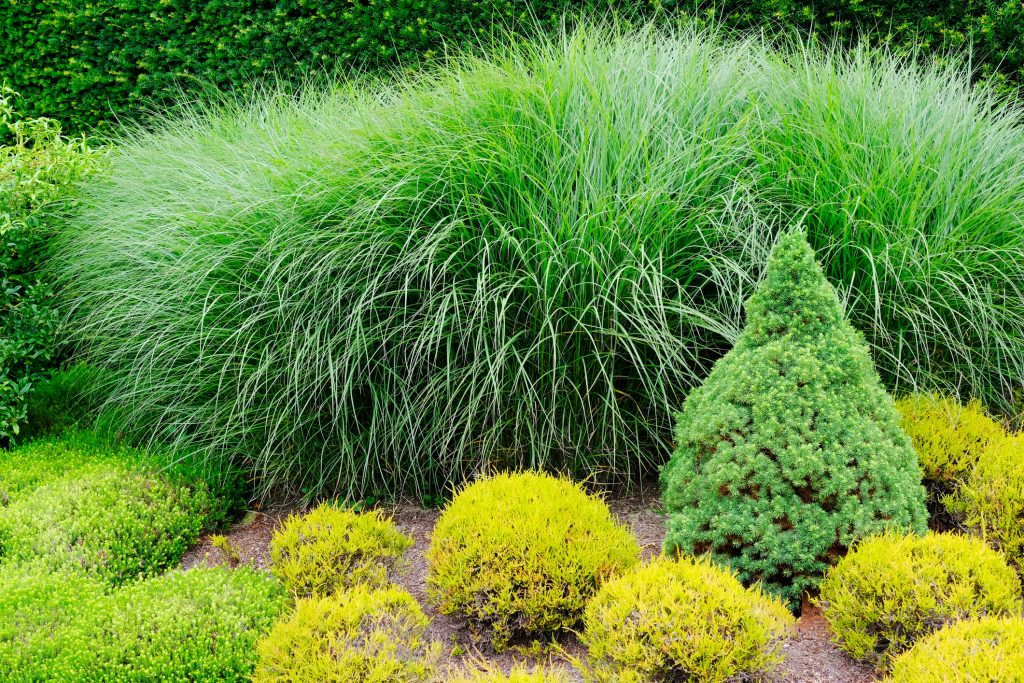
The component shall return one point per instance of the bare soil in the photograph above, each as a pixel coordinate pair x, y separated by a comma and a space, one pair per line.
810, 656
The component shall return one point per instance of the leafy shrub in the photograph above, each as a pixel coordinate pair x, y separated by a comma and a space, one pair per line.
70, 398
36, 604
331, 548
988, 649
38, 168
111, 522
991, 501
949, 438
130, 56
199, 625
536, 324
791, 450
682, 619
521, 554
371, 636
517, 675
891, 591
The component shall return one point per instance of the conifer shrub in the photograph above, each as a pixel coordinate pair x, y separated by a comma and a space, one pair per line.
516, 675
948, 437
521, 555
791, 449
991, 500
893, 590
975, 651
331, 548
365, 635
200, 625
682, 619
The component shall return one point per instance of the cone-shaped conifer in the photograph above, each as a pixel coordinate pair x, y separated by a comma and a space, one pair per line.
791, 449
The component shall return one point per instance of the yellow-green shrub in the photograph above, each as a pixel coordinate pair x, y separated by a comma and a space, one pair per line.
682, 619
949, 437
990, 649
332, 548
991, 501
520, 555
355, 636
517, 675
892, 590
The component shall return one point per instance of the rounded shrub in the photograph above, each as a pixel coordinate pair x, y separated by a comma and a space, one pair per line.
528, 260
682, 619
988, 649
112, 522
892, 590
791, 449
991, 500
197, 625
517, 675
521, 555
331, 548
949, 438
366, 635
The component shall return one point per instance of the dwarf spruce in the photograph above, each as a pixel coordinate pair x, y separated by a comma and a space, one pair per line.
791, 449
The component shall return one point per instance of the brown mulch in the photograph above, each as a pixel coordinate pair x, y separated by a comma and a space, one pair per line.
810, 657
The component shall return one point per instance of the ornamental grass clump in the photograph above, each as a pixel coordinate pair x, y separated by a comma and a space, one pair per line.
682, 619
791, 449
330, 548
893, 590
527, 260
976, 651
521, 555
360, 635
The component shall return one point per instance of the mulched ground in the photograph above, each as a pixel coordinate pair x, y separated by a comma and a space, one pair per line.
810, 657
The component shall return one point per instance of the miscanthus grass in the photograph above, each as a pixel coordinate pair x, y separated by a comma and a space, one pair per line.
526, 260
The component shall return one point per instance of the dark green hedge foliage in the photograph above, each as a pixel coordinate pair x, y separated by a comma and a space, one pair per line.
89, 61
791, 450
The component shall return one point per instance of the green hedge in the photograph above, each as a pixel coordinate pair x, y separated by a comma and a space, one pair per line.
85, 62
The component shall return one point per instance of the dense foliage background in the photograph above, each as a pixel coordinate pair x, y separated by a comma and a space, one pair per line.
92, 62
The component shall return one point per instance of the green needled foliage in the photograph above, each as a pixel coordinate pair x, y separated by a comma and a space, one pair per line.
791, 449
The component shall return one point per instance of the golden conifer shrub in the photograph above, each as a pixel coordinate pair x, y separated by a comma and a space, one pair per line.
683, 619
891, 591
361, 635
517, 675
331, 548
520, 555
948, 437
976, 651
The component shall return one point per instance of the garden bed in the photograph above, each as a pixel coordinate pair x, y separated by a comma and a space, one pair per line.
810, 657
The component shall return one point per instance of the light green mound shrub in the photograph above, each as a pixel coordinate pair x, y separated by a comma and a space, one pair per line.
111, 522
364, 635
199, 625
331, 548
517, 675
25, 468
521, 555
991, 500
528, 260
36, 605
892, 591
949, 438
791, 450
977, 651
682, 619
